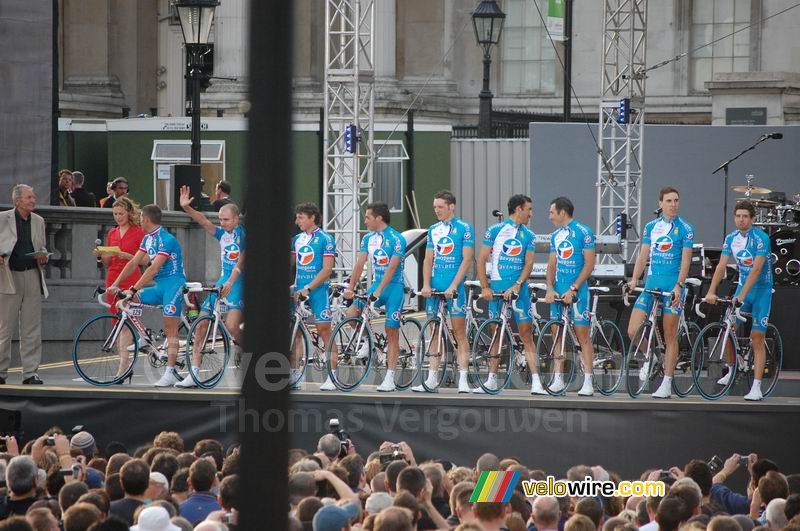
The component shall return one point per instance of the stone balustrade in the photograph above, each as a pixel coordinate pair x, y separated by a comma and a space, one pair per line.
72, 273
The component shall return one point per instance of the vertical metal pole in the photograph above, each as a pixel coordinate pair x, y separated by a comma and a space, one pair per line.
725, 205
193, 51
261, 414
567, 60
485, 110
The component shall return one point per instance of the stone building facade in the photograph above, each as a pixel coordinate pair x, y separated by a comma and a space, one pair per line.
119, 54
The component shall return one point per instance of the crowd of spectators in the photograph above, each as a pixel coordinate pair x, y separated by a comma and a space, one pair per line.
58, 482
336, 489
71, 192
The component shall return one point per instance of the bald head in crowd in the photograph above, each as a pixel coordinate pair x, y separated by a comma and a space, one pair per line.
546, 512
329, 445
486, 463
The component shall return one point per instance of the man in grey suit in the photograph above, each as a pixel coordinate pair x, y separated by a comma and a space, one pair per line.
22, 283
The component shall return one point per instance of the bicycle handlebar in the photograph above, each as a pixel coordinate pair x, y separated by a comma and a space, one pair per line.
657, 292
435, 294
737, 307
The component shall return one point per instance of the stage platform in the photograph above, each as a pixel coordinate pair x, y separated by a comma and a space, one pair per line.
545, 432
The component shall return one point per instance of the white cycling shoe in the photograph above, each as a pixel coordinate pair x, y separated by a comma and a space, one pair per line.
754, 395
558, 384
387, 386
169, 379
587, 389
431, 384
491, 384
664, 390
536, 386
328, 385
188, 382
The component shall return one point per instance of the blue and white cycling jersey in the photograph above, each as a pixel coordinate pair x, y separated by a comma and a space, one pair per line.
745, 248
161, 242
382, 247
448, 240
667, 240
310, 249
231, 247
510, 243
568, 244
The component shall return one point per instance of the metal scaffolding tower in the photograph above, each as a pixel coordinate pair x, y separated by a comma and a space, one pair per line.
619, 164
349, 101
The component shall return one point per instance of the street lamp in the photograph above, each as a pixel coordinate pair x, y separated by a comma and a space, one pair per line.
196, 17
488, 21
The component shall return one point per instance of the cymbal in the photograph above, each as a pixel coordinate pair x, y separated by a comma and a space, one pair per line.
759, 203
754, 190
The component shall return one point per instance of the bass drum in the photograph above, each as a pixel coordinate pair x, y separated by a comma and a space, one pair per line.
785, 246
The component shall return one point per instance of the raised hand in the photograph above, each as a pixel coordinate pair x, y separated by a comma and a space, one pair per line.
186, 200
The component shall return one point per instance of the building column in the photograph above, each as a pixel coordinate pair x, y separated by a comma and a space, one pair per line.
385, 39
89, 87
231, 59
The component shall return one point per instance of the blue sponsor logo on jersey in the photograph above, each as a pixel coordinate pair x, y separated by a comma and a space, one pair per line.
380, 257
512, 247
231, 251
745, 258
445, 246
565, 250
664, 244
305, 255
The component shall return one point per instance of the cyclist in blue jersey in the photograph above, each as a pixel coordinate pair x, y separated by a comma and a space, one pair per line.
230, 235
750, 248
569, 267
162, 251
386, 249
313, 254
448, 257
667, 241
510, 246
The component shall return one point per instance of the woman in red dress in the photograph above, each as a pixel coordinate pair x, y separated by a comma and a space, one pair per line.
127, 235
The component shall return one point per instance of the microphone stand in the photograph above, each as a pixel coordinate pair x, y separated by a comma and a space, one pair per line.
724, 166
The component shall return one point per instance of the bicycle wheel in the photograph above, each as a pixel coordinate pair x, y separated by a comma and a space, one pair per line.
708, 361
211, 341
100, 353
643, 369
354, 351
298, 342
405, 370
772, 364
488, 337
557, 358
433, 347
683, 378
609, 357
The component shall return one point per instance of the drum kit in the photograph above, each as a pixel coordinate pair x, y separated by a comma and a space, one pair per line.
780, 218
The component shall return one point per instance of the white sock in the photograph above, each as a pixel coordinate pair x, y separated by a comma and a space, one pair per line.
462, 373
295, 372
390, 374
667, 380
587, 378
730, 367
757, 384
493, 376
196, 370
171, 368
559, 377
334, 372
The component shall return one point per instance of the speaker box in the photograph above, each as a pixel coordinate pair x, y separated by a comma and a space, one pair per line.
783, 315
187, 175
